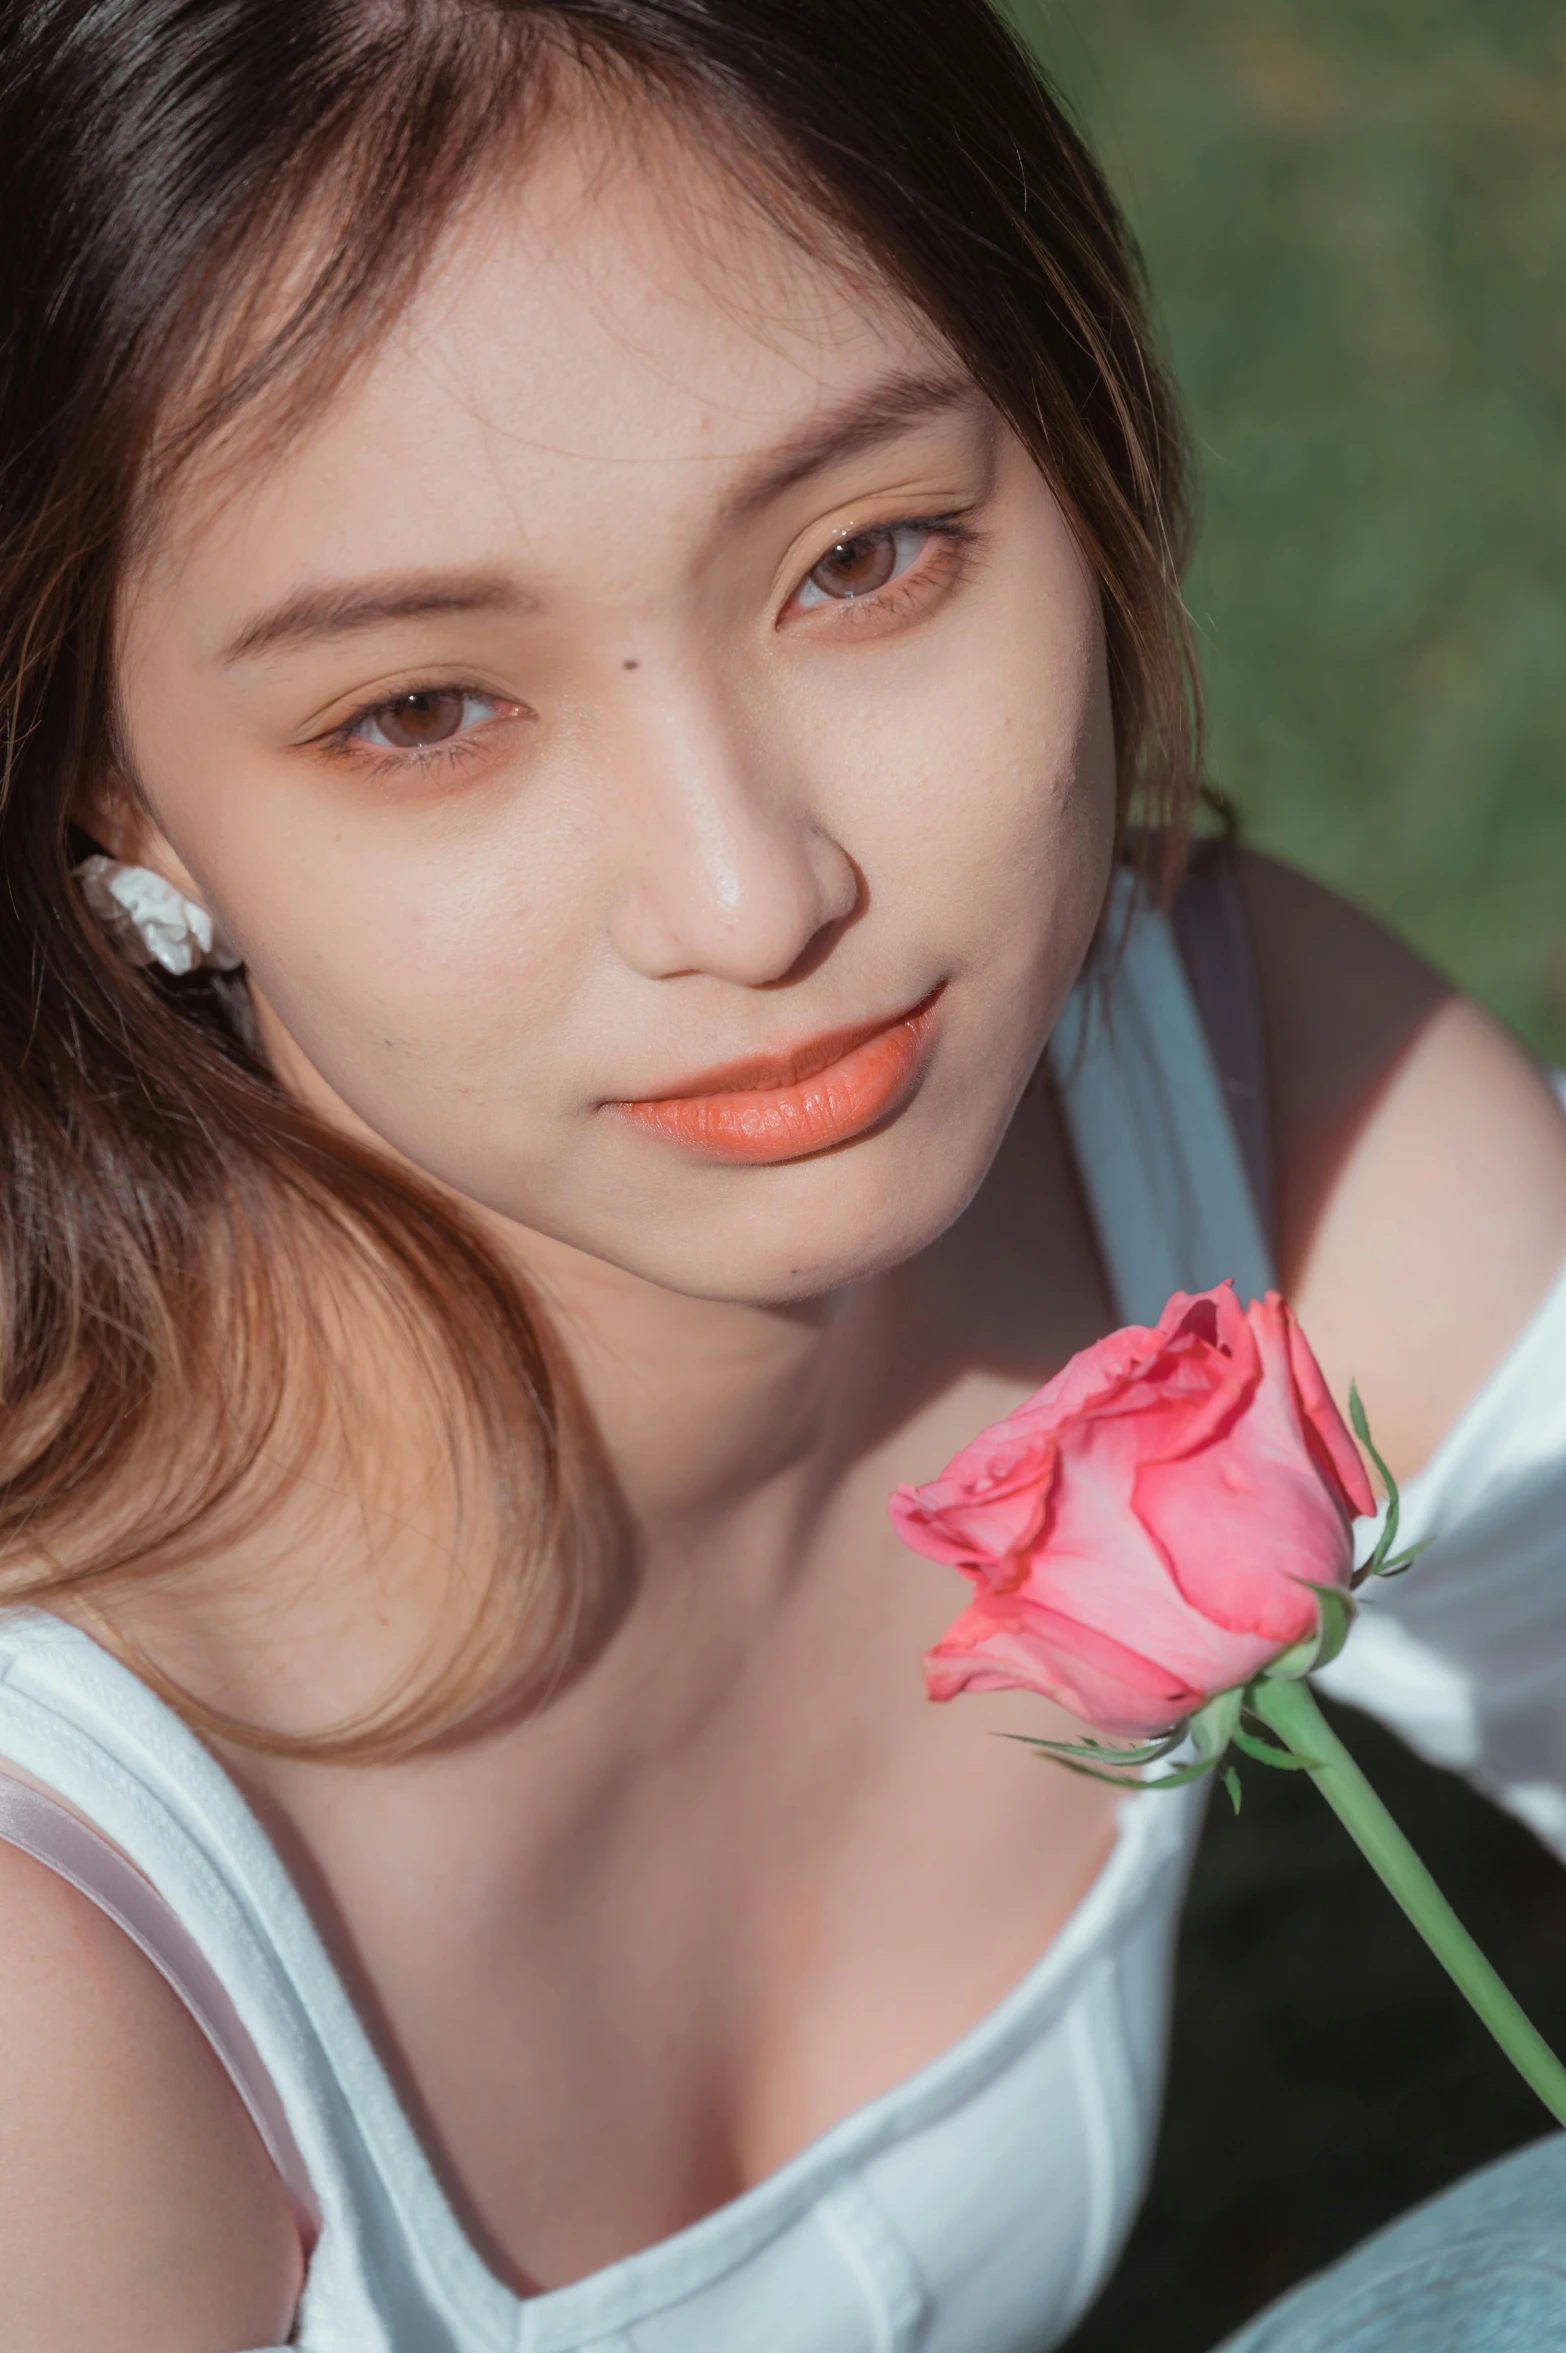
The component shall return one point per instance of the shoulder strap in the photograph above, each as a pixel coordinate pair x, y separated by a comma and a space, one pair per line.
59, 1839
1212, 932
1156, 1146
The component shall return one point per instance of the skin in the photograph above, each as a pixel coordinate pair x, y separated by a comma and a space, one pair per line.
696, 819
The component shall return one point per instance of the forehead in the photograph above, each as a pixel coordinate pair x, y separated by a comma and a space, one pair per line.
614, 320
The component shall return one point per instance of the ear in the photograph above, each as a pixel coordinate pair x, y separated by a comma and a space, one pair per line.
119, 821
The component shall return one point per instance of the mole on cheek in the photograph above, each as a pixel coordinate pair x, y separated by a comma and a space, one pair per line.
630, 665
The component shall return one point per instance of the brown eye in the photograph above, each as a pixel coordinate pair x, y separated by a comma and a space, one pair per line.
864, 562
414, 721
428, 719
856, 567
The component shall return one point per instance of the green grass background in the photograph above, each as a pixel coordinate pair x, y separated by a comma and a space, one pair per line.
1354, 216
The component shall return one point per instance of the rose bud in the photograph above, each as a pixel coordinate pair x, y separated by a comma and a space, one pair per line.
1145, 1532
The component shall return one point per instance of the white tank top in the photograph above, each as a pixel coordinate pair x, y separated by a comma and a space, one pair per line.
976, 2208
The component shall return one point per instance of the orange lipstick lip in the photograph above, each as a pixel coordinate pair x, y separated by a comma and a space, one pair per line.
786, 1106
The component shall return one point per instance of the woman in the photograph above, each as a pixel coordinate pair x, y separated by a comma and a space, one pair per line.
590, 597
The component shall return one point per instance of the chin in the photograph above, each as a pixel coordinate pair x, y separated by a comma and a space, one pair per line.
800, 1229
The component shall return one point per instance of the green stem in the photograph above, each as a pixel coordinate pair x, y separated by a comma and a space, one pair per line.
1290, 1708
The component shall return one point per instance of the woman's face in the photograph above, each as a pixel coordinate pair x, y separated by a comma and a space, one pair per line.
648, 738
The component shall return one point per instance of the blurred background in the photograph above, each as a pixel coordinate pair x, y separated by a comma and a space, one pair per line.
1354, 217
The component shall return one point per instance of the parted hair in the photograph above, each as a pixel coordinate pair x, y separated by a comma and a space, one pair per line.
210, 207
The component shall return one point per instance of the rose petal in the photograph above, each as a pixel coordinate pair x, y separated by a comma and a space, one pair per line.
1102, 1568
1090, 1378
1330, 1441
1246, 1558
1144, 1532
990, 1500
1099, 1679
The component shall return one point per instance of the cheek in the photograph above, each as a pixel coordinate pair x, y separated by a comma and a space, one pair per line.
394, 937
412, 971
981, 798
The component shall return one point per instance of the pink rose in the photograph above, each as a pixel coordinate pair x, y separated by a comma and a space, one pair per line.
1144, 1532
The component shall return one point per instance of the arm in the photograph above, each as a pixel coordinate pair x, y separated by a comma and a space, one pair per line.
141, 2213
1421, 1160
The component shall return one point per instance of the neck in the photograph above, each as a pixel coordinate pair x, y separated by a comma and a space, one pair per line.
732, 1433
701, 1405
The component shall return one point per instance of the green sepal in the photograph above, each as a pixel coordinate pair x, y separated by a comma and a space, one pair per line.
1334, 1618
1266, 1753
1103, 1752
1231, 1782
1213, 1727
1179, 1777
1337, 1619
1403, 1562
1375, 1566
1087, 1772
1295, 1663
1129, 1780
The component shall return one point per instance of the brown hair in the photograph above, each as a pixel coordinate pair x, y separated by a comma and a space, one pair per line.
170, 1222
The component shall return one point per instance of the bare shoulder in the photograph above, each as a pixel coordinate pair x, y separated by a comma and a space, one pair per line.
1422, 1161
140, 2209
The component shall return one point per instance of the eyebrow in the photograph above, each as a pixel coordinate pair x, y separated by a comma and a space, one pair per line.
333, 609
342, 608
893, 405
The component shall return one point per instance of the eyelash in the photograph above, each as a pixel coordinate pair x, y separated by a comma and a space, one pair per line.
954, 542
375, 760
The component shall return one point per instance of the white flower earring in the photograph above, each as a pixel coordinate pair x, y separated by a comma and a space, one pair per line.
150, 921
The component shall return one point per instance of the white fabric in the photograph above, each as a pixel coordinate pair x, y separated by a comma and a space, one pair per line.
1466, 1655
975, 2210
978, 2207
52, 1834
1171, 1204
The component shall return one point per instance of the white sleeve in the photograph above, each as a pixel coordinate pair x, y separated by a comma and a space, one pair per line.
1465, 1656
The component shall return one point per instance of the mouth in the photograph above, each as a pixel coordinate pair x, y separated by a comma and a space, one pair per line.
805, 1100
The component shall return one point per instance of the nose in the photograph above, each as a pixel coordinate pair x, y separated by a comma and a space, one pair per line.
726, 870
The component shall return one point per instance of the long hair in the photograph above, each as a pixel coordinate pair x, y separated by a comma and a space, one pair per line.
211, 207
